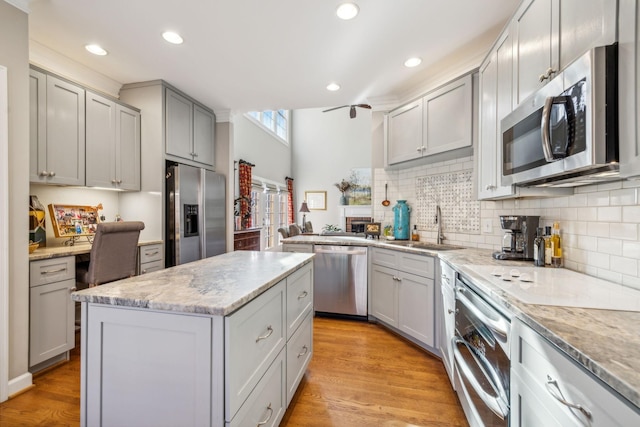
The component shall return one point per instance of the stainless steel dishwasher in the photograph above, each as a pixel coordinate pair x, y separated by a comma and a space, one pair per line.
340, 280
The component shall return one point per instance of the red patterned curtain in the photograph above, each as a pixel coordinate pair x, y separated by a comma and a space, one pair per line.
290, 189
244, 178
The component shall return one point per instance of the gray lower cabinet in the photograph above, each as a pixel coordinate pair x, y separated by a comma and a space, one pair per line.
447, 317
297, 247
57, 130
112, 144
145, 367
550, 389
150, 258
402, 293
51, 310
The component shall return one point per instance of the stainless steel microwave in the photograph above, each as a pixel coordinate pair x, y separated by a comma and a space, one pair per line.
566, 134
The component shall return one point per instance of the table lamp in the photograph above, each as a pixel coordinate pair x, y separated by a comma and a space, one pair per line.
304, 209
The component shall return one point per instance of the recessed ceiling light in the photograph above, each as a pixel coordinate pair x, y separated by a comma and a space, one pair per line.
412, 62
96, 49
172, 37
333, 87
347, 11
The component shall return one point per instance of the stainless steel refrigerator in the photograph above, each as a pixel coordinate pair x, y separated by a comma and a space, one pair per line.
195, 217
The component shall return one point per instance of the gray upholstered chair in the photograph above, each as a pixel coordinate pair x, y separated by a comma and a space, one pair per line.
283, 232
308, 227
294, 230
113, 254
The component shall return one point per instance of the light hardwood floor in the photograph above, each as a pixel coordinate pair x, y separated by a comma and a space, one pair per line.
360, 375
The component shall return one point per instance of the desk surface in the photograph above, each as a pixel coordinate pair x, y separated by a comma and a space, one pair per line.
77, 249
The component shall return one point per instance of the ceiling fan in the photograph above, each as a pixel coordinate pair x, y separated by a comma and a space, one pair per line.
352, 108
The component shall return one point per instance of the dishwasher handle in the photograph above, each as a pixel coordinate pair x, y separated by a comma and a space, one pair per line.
350, 251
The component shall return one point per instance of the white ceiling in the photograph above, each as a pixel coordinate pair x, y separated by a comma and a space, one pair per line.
245, 55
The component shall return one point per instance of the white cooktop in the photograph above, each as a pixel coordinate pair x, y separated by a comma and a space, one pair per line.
559, 286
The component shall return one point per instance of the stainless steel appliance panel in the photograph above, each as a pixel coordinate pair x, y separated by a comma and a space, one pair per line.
195, 203
215, 242
340, 280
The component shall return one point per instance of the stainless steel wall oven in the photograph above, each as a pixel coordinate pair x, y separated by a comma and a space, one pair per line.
481, 357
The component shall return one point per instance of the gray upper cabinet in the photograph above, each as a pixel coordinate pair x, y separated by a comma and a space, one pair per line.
629, 71
190, 129
550, 34
405, 133
57, 124
446, 121
438, 122
113, 144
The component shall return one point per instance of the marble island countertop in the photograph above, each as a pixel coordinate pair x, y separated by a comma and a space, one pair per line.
215, 286
606, 342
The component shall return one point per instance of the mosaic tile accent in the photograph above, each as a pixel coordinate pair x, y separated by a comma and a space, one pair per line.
454, 192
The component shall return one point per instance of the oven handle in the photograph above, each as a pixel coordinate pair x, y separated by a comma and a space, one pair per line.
499, 327
497, 404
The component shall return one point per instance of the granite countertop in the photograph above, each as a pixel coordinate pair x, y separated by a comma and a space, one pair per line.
216, 286
79, 248
605, 342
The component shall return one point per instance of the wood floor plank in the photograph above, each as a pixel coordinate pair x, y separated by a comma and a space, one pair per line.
360, 375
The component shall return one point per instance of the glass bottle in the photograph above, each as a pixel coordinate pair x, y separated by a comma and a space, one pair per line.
414, 235
548, 252
539, 249
556, 246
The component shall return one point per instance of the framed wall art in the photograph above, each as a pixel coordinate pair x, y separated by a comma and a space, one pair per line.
316, 200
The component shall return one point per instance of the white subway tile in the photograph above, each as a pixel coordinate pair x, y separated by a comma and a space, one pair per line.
599, 229
631, 249
578, 200
598, 260
624, 231
610, 246
598, 199
610, 276
610, 214
607, 186
587, 243
631, 214
628, 266
627, 196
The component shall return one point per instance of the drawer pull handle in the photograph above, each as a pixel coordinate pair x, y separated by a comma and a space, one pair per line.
152, 253
267, 335
261, 423
303, 295
60, 270
304, 351
560, 398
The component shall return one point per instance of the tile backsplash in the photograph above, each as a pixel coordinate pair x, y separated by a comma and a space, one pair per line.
599, 224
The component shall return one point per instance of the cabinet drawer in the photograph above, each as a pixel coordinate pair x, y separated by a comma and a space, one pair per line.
254, 335
266, 404
296, 247
299, 351
51, 270
150, 253
421, 265
385, 258
299, 297
541, 365
148, 267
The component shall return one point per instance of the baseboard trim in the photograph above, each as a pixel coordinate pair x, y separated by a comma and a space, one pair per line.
20, 384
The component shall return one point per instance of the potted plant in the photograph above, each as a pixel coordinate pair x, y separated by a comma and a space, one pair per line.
344, 186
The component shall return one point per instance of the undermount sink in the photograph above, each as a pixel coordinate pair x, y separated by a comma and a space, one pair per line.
424, 245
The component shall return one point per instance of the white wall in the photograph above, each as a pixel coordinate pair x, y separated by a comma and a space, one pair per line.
272, 158
326, 146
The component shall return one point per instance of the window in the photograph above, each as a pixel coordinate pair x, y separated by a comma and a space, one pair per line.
275, 122
270, 212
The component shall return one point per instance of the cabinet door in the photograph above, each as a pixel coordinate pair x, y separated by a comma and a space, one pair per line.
416, 307
204, 124
404, 137
526, 408
37, 126
629, 71
179, 125
52, 321
447, 117
384, 294
496, 76
65, 132
535, 45
101, 141
585, 25
127, 150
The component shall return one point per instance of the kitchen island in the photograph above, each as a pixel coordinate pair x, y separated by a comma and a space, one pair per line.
224, 340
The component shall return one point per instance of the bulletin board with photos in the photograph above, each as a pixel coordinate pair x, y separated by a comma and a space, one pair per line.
74, 220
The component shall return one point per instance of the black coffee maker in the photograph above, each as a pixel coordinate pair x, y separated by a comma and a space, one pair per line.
520, 232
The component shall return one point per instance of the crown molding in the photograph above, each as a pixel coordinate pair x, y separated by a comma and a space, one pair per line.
223, 116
